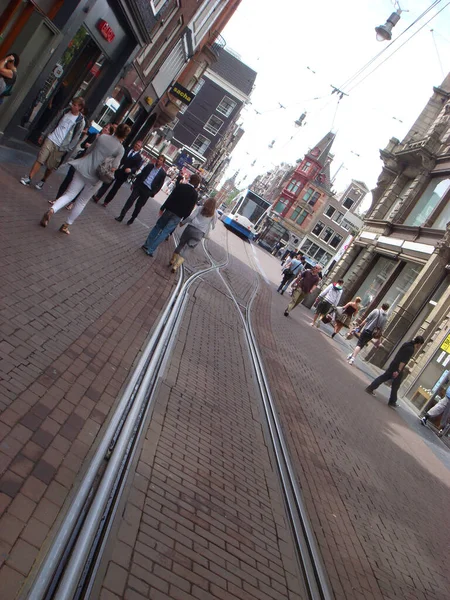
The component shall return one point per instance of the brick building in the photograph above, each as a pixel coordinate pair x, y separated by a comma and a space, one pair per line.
402, 254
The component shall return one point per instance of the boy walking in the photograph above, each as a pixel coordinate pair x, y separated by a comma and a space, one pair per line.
61, 137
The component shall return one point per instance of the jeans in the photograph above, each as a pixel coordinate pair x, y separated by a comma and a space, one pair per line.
163, 227
385, 377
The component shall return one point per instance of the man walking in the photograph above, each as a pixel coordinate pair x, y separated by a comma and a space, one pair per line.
371, 328
148, 183
305, 283
396, 368
131, 162
61, 137
292, 268
178, 205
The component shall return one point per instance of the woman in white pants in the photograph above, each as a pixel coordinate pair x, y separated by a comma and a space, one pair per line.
85, 181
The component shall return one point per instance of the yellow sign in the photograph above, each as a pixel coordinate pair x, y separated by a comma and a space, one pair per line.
149, 100
445, 346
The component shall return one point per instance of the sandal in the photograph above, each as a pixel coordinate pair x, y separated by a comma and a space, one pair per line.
51, 202
69, 206
64, 229
46, 218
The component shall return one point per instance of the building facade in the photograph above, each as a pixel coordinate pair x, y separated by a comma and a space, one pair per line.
208, 125
402, 254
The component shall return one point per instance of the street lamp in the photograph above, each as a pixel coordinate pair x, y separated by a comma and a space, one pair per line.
384, 32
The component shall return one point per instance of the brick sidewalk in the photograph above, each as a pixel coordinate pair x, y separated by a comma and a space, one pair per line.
204, 518
377, 496
74, 314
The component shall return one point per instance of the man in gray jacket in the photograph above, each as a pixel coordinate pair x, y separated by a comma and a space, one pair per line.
59, 138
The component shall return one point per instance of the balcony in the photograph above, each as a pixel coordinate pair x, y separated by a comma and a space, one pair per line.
218, 44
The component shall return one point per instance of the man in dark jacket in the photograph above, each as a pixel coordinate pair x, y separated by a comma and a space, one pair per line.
395, 369
131, 162
148, 183
178, 205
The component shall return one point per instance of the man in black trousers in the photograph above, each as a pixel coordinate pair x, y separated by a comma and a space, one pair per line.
130, 163
178, 205
395, 369
147, 185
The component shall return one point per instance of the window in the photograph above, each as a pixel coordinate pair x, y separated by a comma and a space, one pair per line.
293, 186
302, 216
157, 5
306, 166
335, 240
201, 144
348, 203
308, 194
430, 199
280, 205
213, 124
318, 228
314, 198
227, 106
338, 217
330, 212
327, 234
313, 251
198, 86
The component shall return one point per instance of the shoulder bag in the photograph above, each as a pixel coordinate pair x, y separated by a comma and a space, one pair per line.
377, 331
105, 171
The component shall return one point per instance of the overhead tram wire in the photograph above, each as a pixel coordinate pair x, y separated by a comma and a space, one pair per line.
397, 49
437, 53
386, 48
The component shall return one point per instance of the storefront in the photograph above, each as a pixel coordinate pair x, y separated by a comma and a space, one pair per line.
83, 59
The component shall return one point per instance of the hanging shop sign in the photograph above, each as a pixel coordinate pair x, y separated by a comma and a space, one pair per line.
182, 93
105, 30
445, 346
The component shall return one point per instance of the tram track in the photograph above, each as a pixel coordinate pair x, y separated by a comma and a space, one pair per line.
68, 570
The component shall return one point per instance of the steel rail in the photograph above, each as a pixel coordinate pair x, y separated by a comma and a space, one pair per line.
143, 373
318, 587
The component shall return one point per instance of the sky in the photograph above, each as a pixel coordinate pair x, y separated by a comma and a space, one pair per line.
301, 49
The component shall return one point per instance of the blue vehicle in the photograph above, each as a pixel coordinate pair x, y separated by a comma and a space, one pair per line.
246, 214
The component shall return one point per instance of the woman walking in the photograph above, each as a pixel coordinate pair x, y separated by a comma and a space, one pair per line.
199, 224
105, 151
345, 314
327, 300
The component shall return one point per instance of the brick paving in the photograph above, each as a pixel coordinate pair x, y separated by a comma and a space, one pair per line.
377, 496
204, 518
75, 312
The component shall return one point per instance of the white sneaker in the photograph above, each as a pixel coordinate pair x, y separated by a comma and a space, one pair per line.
39, 185
25, 181
349, 356
351, 361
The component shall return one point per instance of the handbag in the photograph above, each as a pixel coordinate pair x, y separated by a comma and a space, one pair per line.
327, 318
105, 171
377, 331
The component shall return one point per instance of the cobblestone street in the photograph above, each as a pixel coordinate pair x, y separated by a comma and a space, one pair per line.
203, 515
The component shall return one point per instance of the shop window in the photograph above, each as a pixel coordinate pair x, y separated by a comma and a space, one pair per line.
348, 203
325, 259
374, 281
401, 285
443, 218
305, 166
335, 240
306, 246
428, 202
318, 228
280, 205
293, 186
213, 124
330, 212
327, 234
201, 144
227, 106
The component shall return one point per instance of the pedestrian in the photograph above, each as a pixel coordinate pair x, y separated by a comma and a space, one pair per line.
285, 256
345, 314
8, 75
396, 368
371, 328
148, 183
61, 139
179, 205
131, 162
441, 409
104, 154
107, 130
199, 224
292, 268
304, 284
327, 300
